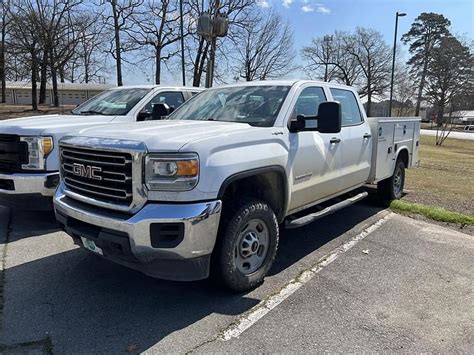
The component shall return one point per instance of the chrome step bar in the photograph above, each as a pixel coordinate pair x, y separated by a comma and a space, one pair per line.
302, 221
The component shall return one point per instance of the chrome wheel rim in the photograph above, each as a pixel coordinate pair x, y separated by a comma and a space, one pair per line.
251, 248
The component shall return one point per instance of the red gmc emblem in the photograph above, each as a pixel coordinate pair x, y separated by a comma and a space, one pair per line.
86, 171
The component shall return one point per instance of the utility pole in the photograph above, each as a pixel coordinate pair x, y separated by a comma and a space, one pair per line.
397, 15
212, 53
212, 24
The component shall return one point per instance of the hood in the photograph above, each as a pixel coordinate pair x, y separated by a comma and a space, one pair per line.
167, 135
51, 124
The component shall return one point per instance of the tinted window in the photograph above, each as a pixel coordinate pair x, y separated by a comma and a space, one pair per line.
256, 105
172, 99
350, 109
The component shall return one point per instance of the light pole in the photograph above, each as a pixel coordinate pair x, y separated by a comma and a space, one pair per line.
398, 14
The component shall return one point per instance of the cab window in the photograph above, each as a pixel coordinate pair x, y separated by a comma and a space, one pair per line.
308, 103
309, 100
173, 99
349, 108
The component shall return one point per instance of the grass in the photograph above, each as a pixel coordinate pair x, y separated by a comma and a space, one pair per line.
445, 178
435, 213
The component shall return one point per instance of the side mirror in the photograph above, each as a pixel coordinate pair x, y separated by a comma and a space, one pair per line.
329, 117
328, 120
143, 116
159, 111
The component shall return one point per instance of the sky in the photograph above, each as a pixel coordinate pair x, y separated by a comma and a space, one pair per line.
315, 18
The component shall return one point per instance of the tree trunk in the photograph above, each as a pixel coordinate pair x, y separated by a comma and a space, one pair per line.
197, 63
158, 67
2, 63
422, 86
34, 72
54, 79
440, 114
369, 102
43, 77
61, 74
118, 48
86, 70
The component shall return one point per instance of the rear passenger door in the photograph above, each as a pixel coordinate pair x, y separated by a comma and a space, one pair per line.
356, 140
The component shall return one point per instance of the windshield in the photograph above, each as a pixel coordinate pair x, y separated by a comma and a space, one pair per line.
255, 105
112, 102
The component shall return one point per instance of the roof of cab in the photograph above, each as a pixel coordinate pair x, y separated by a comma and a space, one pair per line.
167, 87
282, 83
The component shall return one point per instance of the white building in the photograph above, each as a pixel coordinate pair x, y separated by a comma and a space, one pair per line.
464, 117
19, 93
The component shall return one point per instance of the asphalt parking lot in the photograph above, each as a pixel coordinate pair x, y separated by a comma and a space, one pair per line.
363, 279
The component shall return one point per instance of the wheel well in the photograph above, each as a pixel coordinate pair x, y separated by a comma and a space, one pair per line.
268, 186
403, 156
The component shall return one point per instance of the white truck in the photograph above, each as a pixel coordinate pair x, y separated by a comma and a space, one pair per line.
29, 158
205, 191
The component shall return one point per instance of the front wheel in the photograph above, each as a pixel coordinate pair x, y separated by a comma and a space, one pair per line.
392, 188
246, 246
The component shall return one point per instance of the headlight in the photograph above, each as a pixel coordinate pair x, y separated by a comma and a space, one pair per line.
38, 150
171, 172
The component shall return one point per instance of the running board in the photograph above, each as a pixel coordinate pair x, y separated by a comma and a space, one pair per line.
302, 221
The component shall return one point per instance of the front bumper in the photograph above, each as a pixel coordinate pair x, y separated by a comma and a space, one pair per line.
131, 240
42, 184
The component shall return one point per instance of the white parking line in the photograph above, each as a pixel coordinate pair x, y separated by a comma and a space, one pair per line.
266, 305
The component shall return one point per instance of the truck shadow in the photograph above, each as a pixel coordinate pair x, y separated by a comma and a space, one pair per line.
295, 244
89, 305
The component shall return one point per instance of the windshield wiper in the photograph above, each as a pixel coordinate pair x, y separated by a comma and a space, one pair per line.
92, 112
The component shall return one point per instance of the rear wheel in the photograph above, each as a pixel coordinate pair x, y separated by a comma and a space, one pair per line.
392, 188
246, 246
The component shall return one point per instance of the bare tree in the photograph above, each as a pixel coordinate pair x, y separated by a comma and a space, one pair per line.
266, 49
329, 55
26, 41
5, 19
54, 22
404, 90
374, 58
118, 19
157, 28
90, 59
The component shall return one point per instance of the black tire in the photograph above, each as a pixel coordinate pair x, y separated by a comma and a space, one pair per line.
392, 188
235, 223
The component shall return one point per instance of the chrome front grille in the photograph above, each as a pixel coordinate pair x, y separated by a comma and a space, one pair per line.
102, 175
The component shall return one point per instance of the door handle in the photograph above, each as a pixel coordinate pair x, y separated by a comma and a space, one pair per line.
367, 135
335, 140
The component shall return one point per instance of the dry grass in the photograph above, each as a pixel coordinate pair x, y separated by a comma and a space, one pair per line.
14, 111
445, 178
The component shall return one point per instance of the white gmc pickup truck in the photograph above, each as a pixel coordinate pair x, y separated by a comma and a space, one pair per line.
205, 191
29, 158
